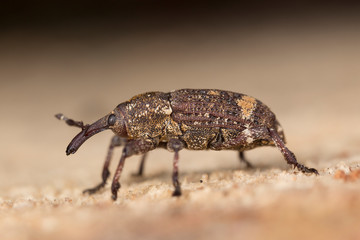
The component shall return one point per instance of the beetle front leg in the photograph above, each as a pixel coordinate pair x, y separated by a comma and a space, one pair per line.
116, 141
175, 145
132, 147
288, 155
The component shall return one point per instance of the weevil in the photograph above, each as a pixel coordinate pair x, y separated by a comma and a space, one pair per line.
195, 119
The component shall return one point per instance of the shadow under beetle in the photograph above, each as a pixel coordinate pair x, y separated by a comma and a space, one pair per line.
195, 119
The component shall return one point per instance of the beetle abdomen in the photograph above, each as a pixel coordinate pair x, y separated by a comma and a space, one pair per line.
212, 108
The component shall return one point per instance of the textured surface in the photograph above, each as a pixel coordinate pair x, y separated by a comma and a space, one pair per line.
215, 119
308, 74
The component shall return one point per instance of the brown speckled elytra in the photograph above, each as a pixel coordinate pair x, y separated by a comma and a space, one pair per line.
195, 119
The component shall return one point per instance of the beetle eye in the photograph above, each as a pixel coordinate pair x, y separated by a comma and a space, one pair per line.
111, 120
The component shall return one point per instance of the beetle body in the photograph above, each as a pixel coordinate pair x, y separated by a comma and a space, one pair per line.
202, 119
195, 119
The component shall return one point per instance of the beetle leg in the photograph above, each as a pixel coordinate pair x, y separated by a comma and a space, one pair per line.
141, 166
243, 159
175, 145
175, 175
288, 155
116, 141
132, 147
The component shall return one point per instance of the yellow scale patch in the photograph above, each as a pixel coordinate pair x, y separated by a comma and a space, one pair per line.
247, 105
213, 92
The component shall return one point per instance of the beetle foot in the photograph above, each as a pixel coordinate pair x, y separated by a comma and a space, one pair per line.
248, 164
114, 189
305, 169
94, 189
177, 192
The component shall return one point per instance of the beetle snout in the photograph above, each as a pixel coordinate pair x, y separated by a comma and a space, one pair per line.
87, 132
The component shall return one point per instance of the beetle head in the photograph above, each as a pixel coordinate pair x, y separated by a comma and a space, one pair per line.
114, 121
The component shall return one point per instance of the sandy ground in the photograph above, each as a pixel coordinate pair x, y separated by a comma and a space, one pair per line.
307, 73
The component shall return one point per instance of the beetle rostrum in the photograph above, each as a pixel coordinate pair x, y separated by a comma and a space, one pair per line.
195, 119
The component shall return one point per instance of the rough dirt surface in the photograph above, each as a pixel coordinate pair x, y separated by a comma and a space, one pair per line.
307, 73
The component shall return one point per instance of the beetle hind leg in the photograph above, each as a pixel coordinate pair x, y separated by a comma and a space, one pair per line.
288, 155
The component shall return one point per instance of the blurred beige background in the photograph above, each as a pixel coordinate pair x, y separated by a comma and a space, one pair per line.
305, 66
